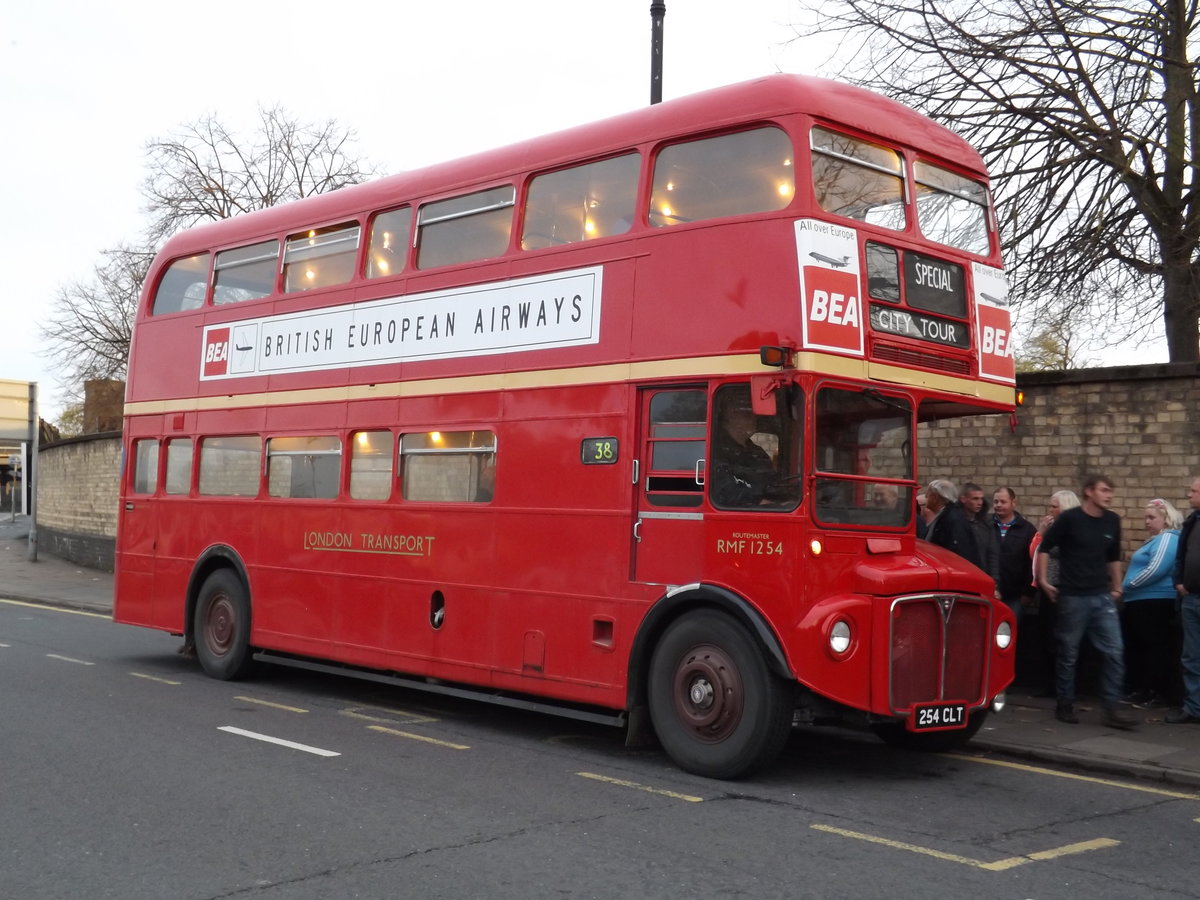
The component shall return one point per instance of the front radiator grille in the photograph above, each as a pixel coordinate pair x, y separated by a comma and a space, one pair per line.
939, 650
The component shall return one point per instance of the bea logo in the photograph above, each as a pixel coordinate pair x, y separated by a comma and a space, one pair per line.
832, 310
995, 340
995, 344
216, 352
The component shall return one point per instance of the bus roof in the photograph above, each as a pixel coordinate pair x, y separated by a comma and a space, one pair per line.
763, 98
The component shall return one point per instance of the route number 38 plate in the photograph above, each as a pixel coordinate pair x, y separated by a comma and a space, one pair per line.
937, 716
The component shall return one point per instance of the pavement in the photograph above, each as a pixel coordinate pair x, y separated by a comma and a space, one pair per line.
1026, 729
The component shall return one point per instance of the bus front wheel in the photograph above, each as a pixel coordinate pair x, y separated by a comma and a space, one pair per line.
716, 707
221, 626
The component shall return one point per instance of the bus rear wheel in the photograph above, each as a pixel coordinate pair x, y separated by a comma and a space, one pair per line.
221, 626
716, 707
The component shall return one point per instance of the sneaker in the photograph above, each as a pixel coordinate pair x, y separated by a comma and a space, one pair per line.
1151, 701
1066, 714
1181, 717
1119, 718
1136, 698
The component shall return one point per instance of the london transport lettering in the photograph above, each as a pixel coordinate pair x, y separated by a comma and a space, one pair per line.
369, 542
559, 310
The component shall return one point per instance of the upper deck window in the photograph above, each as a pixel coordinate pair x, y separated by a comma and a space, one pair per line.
730, 175
458, 230
589, 201
858, 180
320, 257
182, 286
390, 233
246, 273
951, 209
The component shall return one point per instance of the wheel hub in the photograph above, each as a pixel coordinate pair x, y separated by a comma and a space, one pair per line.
709, 694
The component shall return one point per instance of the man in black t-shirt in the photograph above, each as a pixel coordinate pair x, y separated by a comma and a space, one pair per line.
1088, 539
1187, 584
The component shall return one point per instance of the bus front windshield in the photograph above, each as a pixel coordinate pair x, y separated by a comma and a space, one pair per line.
864, 467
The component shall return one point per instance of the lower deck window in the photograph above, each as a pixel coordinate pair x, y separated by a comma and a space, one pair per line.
230, 466
448, 466
371, 465
303, 466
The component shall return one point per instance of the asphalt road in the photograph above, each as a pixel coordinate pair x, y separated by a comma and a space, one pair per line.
127, 773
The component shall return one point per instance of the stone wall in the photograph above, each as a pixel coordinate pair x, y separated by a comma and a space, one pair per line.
1139, 425
77, 495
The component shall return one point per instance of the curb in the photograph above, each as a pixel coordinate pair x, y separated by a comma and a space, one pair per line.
1099, 764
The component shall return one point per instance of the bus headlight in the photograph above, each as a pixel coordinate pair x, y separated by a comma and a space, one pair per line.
999, 702
839, 637
1003, 635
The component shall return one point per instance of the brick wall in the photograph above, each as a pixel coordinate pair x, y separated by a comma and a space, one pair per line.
77, 485
1139, 425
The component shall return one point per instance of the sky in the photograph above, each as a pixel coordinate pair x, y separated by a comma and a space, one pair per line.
87, 85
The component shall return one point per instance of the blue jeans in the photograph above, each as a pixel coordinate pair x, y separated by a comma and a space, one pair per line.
1094, 616
1189, 611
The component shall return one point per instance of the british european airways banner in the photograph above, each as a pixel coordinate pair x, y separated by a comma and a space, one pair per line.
561, 309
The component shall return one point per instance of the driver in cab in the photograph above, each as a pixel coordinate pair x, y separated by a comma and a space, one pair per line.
743, 472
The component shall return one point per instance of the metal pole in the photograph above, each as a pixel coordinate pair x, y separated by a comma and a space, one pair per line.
658, 10
32, 468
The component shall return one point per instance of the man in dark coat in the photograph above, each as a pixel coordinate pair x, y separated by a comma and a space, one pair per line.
949, 527
1014, 534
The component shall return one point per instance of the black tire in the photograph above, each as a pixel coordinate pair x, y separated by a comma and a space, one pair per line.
221, 626
896, 735
716, 707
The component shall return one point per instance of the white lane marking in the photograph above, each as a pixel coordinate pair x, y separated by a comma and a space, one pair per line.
70, 659
291, 745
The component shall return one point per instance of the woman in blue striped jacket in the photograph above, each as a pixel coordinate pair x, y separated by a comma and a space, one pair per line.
1150, 610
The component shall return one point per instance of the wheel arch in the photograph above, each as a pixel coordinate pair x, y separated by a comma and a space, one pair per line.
679, 602
214, 558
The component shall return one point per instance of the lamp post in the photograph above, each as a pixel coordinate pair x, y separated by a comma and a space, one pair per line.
658, 10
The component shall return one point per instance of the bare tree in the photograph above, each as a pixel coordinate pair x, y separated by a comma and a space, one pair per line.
203, 172
1049, 349
1088, 116
88, 332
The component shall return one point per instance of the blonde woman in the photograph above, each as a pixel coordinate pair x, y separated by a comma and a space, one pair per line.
1150, 607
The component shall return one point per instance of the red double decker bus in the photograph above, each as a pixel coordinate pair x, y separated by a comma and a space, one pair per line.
621, 422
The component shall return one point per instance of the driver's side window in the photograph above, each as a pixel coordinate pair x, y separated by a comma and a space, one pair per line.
754, 458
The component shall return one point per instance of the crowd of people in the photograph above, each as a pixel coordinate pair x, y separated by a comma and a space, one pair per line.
1065, 581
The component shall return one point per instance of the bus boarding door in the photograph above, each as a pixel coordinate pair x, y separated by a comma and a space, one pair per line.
668, 531
137, 531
